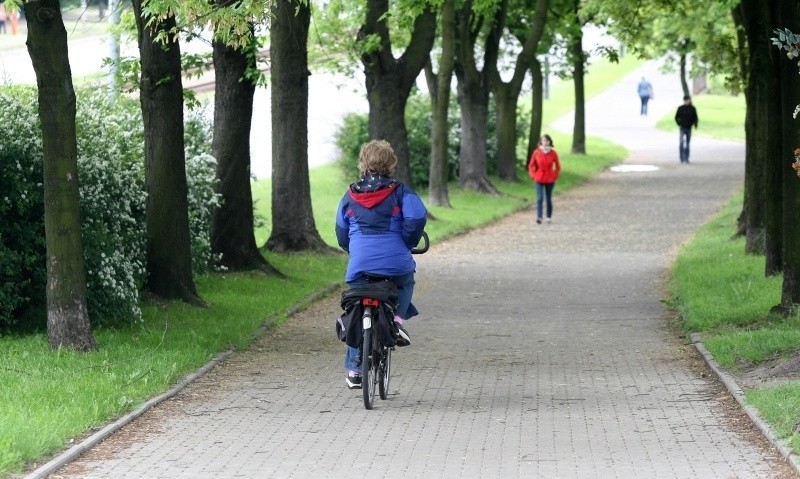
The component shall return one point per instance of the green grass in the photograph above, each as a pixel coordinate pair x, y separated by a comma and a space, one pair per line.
780, 407
720, 116
58, 395
718, 285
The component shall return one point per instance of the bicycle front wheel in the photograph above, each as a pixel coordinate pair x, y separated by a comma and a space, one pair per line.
369, 366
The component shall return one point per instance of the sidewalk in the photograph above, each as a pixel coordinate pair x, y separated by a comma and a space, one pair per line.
542, 351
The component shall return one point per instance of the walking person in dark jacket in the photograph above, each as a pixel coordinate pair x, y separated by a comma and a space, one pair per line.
685, 117
378, 222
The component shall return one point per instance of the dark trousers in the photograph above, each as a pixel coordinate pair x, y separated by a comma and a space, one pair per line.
544, 194
645, 99
683, 146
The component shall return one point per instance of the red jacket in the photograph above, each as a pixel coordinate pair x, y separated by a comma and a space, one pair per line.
544, 167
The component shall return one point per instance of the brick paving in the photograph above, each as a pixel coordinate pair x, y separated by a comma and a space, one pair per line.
542, 351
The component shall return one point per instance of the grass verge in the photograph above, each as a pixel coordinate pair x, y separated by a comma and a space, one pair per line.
722, 293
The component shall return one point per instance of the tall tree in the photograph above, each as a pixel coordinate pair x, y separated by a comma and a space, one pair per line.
232, 224
473, 95
389, 80
169, 259
773, 209
789, 18
537, 106
67, 314
578, 57
439, 88
293, 228
507, 93
763, 136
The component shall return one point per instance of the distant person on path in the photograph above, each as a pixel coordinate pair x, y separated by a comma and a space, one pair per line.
378, 222
645, 90
13, 19
685, 117
544, 167
3, 18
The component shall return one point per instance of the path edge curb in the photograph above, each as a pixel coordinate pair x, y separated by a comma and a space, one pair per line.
77, 450
736, 391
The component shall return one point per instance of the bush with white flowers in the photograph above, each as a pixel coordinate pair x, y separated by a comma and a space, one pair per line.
112, 203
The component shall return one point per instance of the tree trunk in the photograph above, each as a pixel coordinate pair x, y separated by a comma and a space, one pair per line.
742, 56
67, 315
506, 120
773, 156
756, 132
440, 98
389, 80
473, 100
232, 224
578, 72
790, 94
293, 227
537, 107
169, 258
684, 83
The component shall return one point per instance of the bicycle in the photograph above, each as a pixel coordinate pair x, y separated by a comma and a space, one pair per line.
376, 356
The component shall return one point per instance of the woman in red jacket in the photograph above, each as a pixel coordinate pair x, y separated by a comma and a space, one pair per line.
544, 168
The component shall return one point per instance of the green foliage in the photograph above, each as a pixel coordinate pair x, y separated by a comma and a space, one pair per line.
656, 29
112, 203
786, 40
355, 131
22, 267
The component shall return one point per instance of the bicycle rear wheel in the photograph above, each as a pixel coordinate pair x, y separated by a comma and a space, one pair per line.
383, 372
369, 364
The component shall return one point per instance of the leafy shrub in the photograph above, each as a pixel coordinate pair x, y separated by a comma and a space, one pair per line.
22, 262
112, 202
353, 133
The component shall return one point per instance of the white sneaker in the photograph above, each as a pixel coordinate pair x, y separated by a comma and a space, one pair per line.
403, 339
353, 382
549, 221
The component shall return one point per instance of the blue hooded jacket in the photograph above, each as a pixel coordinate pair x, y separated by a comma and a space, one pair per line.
378, 221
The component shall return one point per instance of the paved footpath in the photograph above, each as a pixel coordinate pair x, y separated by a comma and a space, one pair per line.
543, 351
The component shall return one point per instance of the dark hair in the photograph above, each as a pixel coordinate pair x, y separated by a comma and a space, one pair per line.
686, 97
548, 138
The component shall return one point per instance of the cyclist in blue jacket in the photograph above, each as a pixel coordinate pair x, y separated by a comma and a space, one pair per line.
378, 222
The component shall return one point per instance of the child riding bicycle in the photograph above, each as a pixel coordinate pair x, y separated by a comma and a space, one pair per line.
378, 222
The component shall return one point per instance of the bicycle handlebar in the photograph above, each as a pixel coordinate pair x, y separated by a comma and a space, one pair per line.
424, 239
